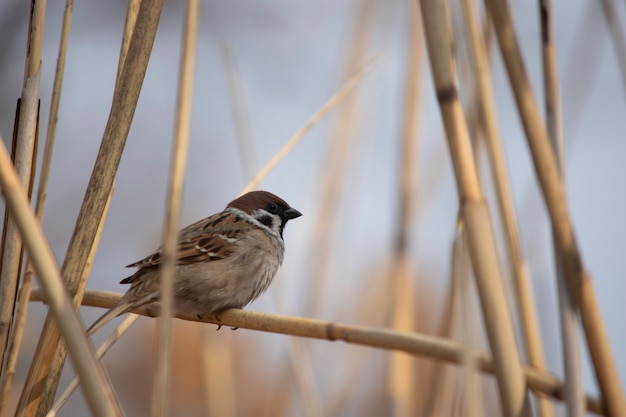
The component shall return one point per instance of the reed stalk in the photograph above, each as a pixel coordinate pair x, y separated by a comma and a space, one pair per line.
579, 283
19, 319
42, 381
338, 154
474, 212
23, 156
574, 390
163, 369
97, 389
432, 347
108, 343
488, 119
402, 376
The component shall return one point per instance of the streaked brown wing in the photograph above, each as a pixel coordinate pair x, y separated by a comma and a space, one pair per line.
207, 240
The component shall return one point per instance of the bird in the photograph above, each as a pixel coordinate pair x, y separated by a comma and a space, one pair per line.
224, 261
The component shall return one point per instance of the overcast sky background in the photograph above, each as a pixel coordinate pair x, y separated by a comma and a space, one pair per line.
291, 59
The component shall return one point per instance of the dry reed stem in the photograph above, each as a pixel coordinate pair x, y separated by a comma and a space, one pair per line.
472, 389
35, 39
219, 375
163, 366
402, 375
521, 279
239, 109
299, 357
97, 389
336, 99
459, 269
302, 370
574, 389
432, 347
12, 251
311, 397
616, 31
26, 286
132, 10
579, 282
402, 380
475, 215
50, 355
338, 152
372, 308
108, 343
23, 155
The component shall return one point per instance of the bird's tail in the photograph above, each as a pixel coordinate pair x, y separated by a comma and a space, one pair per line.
104, 319
124, 305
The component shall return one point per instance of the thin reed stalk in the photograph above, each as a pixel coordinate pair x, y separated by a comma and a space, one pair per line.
163, 367
219, 374
42, 381
311, 396
23, 156
19, 319
132, 11
97, 389
303, 373
402, 376
432, 347
475, 214
616, 32
580, 285
240, 112
372, 308
488, 118
347, 88
108, 343
472, 390
338, 155
574, 390
336, 99
459, 270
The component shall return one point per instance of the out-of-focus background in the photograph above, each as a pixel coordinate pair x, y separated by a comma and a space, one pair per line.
263, 69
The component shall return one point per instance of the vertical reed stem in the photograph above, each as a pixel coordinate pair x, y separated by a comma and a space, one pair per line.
475, 214
163, 368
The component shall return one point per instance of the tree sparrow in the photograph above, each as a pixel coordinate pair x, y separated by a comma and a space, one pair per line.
224, 261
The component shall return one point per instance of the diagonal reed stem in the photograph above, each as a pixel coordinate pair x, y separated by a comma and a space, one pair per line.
337, 98
23, 155
521, 279
26, 286
113, 337
97, 389
579, 283
43, 377
574, 390
475, 214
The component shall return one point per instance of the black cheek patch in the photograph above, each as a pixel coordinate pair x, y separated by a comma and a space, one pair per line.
266, 220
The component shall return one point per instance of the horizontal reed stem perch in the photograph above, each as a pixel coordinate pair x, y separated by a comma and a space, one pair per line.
418, 344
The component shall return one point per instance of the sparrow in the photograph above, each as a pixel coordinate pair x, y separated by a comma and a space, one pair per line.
223, 261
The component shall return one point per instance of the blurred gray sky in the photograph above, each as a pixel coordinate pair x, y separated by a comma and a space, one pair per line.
291, 58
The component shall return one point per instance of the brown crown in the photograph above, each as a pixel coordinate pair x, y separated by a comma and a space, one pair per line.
256, 199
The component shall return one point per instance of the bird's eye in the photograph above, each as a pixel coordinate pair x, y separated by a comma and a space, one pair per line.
272, 207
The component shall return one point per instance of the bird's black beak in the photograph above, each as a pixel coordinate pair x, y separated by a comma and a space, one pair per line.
291, 213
